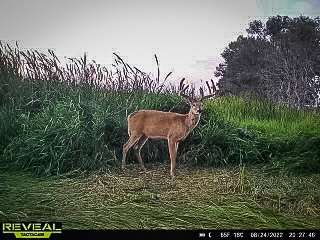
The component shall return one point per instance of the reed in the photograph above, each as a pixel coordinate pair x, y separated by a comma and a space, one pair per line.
58, 117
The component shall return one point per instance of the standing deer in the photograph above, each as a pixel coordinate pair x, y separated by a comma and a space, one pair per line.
173, 127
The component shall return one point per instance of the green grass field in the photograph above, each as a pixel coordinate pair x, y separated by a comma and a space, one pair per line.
249, 164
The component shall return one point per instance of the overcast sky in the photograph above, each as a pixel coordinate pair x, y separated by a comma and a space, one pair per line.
187, 35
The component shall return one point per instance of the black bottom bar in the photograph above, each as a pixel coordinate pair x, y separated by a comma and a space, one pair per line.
179, 234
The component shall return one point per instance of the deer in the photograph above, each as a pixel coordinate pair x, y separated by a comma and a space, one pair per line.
170, 126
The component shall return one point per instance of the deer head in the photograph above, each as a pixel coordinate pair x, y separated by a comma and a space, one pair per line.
196, 106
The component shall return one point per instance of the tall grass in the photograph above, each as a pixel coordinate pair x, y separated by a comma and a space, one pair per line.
290, 137
266, 117
57, 118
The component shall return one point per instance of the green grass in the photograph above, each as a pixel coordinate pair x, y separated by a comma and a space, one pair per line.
55, 125
86, 130
209, 198
248, 164
78, 131
285, 137
267, 118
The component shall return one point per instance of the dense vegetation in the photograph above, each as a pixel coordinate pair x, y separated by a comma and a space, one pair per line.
52, 126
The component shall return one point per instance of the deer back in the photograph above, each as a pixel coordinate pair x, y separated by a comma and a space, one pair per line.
157, 124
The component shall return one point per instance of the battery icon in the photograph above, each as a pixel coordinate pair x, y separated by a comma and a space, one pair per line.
202, 235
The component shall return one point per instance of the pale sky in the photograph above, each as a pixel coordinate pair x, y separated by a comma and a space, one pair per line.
187, 35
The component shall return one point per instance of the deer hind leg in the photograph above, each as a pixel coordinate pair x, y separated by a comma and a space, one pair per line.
137, 149
134, 138
173, 148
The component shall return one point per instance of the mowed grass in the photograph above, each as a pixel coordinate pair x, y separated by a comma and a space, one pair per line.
221, 198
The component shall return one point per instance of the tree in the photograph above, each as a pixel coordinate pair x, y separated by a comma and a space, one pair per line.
279, 60
240, 71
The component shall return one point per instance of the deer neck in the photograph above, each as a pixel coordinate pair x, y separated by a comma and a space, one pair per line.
192, 120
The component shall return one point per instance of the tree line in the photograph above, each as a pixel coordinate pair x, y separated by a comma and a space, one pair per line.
278, 60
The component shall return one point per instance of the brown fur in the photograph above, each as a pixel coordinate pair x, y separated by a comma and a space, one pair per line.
172, 124
173, 127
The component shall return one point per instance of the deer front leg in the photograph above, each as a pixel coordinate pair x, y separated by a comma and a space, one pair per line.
173, 148
137, 149
132, 141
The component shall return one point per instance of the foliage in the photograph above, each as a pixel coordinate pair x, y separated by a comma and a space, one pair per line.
51, 127
278, 60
